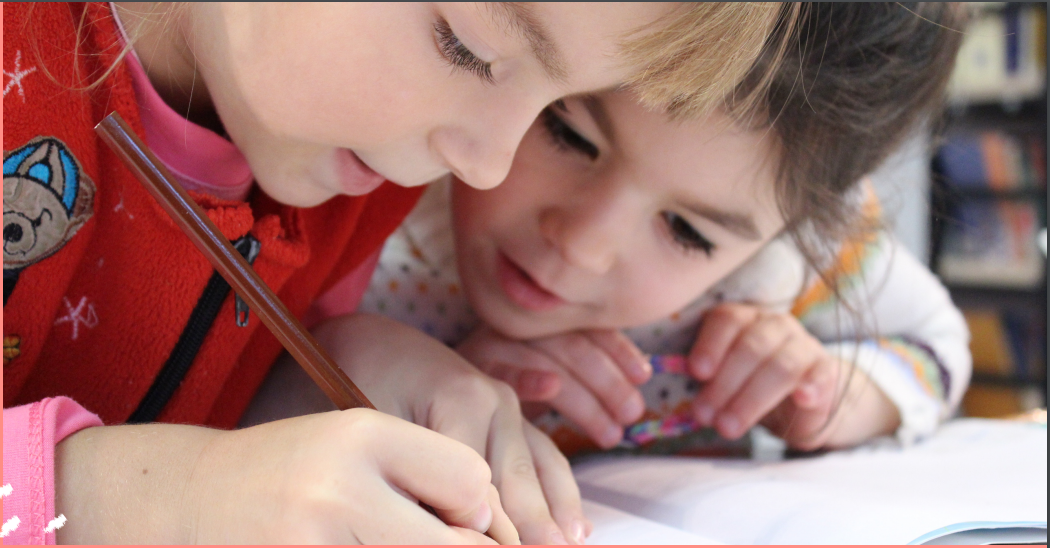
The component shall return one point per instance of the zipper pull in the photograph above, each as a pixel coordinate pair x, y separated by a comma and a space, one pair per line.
249, 247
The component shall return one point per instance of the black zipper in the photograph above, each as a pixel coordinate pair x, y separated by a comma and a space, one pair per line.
192, 337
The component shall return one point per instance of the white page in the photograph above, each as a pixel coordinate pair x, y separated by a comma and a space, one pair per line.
612, 526
972, 470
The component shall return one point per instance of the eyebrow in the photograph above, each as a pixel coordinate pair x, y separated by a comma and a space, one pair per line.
740, 224
524, 22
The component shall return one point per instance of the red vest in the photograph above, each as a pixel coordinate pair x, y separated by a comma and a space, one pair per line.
102, 283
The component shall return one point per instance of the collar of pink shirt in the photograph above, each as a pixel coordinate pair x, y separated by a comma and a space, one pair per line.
200, 159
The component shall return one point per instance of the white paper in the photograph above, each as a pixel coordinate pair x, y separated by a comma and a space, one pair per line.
972, 470
612, 526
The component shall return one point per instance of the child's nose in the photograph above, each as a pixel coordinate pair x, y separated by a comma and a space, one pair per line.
587, 236
481, 153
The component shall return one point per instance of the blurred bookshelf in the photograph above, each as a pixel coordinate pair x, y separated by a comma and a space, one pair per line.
989, 204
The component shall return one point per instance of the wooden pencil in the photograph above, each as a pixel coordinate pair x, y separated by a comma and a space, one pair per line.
230, 264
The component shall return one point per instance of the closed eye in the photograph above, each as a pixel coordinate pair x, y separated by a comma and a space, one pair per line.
458, 55
685, 235
564, 137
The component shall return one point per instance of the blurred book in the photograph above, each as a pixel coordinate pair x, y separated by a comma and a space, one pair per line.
993, 160
992, 243
1005, 343
1008, 356
1002, 56
987, 401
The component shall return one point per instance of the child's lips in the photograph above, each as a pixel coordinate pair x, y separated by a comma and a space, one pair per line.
522, 289
355, 178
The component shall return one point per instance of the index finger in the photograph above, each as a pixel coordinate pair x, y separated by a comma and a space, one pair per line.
623, 353
437, 470
515, 475
501, 529
719, 328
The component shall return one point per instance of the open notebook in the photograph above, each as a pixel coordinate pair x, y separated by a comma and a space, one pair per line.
975, 482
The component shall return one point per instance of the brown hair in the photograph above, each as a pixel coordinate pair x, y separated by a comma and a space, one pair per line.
857, 79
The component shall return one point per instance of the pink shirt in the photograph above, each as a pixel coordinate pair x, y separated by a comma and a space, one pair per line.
202, 161
30, 435
205, 162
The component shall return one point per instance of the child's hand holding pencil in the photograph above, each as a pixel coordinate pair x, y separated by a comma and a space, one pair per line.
389, 496
333, 478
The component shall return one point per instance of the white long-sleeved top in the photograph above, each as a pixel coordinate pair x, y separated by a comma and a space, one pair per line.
904, 331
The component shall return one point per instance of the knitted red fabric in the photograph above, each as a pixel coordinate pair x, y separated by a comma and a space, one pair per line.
104, 282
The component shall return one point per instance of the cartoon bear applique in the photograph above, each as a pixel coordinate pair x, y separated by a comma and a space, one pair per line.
47, 198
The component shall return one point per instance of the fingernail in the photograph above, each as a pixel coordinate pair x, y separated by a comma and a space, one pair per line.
612, 436
632, 409
557, 538
579, 531
646, 367
729, 426
482, 518
704, 414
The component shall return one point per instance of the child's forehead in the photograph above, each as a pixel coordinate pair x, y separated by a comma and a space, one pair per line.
710, 158
645, 131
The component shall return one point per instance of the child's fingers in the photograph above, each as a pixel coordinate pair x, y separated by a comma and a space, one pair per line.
580, 406
634, 365
467, 536
516, 475
436, 469
774, 380
531, 373
721, 326
471, 395
528, 384
395, 518
497, 433
500, 529
559, 486
745, 355
817, 388
595, 370
805, 427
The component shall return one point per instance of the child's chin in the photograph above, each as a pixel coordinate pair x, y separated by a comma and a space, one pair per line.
296, 194
519, 327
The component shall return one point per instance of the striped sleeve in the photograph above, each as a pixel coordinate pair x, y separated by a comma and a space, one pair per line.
896, 322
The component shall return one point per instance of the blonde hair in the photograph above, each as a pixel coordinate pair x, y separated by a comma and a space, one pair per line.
690, 60
158, 13
693, 58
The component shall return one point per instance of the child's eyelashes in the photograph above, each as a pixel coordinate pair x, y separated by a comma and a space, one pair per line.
459, 55
566, 138
685, 235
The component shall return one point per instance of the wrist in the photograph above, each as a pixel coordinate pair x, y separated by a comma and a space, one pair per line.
865, 412
129, 484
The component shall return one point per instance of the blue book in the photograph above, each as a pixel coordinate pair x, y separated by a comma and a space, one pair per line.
1012, 22
963, 161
